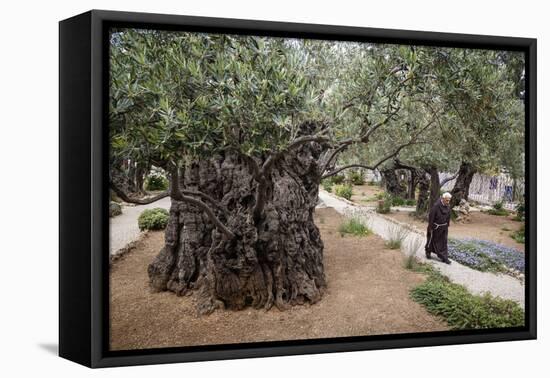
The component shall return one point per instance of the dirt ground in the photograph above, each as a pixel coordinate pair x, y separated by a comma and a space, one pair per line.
368, 294
482, 226
365, 194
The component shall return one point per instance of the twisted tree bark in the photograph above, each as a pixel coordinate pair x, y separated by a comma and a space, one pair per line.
461, 189
273, 259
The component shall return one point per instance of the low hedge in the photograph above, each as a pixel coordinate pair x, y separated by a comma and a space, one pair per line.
153, 219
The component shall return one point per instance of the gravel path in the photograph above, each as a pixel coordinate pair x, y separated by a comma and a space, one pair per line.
124, 228
477, 282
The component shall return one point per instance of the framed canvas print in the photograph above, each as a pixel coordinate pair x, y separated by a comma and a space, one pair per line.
234, 188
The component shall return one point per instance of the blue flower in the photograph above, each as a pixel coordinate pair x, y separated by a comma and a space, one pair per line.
486, 255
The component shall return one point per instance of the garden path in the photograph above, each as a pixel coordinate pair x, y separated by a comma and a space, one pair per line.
477, 282
124, 228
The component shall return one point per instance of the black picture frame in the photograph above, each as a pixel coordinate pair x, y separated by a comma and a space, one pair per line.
83, 196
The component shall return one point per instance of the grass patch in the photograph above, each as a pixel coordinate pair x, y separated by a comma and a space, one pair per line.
354, 225
397, 235
463, 310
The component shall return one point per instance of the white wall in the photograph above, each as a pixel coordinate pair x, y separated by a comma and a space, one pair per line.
28, 155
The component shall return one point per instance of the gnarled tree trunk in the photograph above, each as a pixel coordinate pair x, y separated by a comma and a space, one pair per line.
277, 259
391, 182
423, 200
461, 189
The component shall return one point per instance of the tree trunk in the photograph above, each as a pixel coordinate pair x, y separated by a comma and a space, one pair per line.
423, 201
461, 189
435, 186
277, 259
391, 182
413, 181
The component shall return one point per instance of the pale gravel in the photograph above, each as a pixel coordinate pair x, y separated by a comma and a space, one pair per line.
124, 228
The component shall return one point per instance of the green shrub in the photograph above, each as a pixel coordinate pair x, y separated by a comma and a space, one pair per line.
153, 219
520, 212
357, 178
337, 179
410, 202
397, 201
519, 235
354, 225
463, 310
114, 209
344, 191
327, 185
156, 182
499, 212
384, 206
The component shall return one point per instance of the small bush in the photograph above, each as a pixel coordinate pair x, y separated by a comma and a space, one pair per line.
520, 212
344, 191
383, 207
354, 225
153, 219
410, 202
384, 203
337, 179
519, 235
498, 209
156, 182
357, 178
397, 201
114, 209
327, 185
463, 310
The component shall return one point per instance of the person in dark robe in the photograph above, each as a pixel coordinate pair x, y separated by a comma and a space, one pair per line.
438, 228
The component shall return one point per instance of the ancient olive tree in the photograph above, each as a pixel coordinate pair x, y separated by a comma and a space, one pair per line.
247, 127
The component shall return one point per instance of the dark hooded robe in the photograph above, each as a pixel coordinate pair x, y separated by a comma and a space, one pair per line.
438, 229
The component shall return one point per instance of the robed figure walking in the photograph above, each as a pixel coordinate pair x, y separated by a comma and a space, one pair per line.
438, 228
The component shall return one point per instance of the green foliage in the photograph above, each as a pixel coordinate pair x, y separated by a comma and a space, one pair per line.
354, 225
519, 235
156, 182
344, 191
153, 219
498, 209
337, 179
397, 201
181, 94
463, 310
114, 209
520, 212
410, 202
383, 206
357, 177
327, 185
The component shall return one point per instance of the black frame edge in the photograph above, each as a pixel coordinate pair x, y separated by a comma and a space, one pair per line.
75, 271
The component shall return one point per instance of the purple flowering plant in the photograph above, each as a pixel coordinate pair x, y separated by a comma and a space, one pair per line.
485, 255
